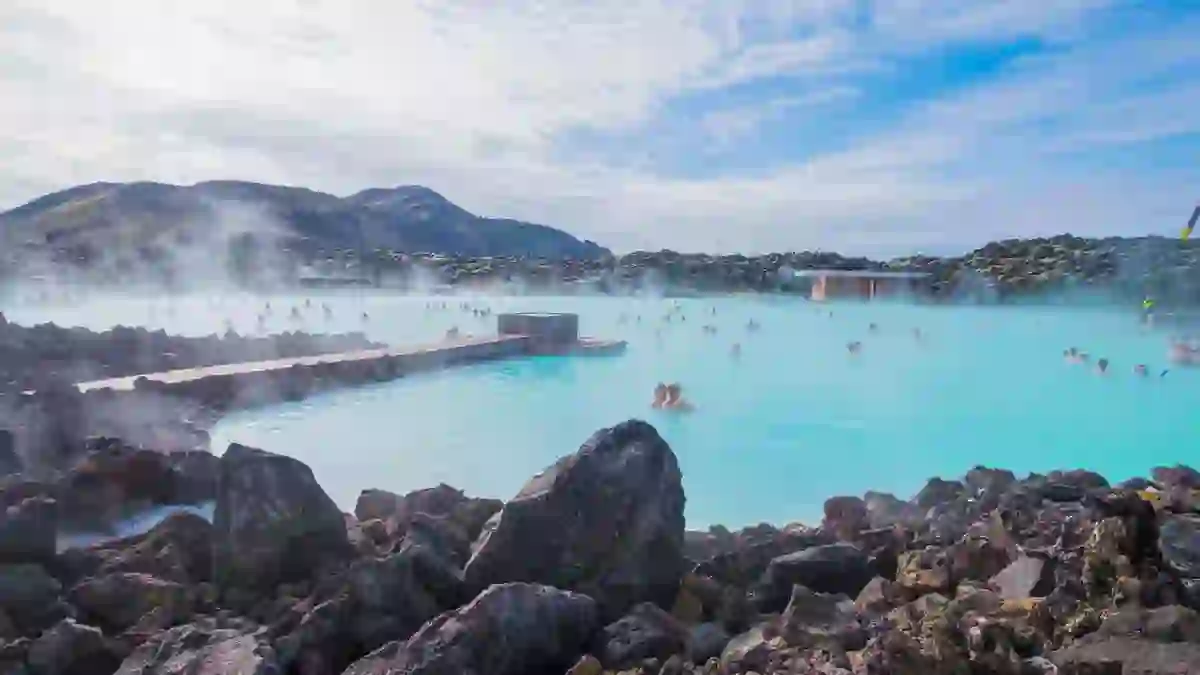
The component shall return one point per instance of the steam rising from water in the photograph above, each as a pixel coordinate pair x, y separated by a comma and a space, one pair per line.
791, 422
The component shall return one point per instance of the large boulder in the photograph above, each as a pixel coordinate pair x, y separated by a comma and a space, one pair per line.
646, 632
606, 521
70, 648
1158, 642
211, 646
117, 601
510, 629
468, 513
29, 531
177, 549
30, 598
10, 461
273, 522
1179, 540
834, 568
378, 600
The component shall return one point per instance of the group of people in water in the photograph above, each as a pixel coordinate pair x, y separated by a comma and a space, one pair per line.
670, 397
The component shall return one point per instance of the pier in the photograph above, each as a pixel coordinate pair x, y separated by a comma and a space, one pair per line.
239, 385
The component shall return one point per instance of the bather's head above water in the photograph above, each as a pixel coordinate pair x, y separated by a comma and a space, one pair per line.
660, 395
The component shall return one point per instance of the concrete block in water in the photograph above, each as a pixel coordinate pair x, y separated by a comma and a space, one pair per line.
544, 329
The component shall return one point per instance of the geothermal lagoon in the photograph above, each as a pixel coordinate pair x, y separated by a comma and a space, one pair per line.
777, 429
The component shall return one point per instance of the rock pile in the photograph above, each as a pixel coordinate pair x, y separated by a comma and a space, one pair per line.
588, 571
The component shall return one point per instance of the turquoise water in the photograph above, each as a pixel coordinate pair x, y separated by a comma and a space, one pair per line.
791, 422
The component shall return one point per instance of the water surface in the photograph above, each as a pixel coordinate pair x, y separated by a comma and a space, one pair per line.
792, 421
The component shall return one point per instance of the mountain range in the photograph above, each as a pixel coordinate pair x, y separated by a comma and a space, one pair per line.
147, 220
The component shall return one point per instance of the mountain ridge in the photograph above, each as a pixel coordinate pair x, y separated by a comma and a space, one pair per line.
407, 218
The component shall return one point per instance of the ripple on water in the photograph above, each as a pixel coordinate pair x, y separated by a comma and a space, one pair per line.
792, 421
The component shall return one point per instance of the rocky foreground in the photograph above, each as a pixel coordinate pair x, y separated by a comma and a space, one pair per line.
589, 570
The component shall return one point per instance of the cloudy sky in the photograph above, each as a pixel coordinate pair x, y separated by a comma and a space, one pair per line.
866, 126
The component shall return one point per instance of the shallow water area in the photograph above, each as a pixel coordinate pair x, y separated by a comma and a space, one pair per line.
791, 421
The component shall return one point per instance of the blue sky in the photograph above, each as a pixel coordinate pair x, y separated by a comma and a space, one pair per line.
878, 127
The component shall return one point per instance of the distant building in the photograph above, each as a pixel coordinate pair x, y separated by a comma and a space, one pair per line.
864, 284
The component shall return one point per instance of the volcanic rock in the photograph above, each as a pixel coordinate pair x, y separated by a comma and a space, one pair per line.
177, 549
29, 531
209, 646
606, 521
70, 648
117, 601
510, 629
834, 568
273, 522
646, 632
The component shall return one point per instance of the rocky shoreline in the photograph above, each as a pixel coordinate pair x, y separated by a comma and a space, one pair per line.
31, 356
589, 570
1115, 268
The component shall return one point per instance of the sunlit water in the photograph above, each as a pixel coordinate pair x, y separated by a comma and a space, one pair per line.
792, 421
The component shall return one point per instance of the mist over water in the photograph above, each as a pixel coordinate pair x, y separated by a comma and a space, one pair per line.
775, 432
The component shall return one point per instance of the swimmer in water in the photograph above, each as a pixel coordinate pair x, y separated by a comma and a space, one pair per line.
1102, 366
452, 332
736, 350
660, 395
1140, 369
874, 328
675, 400
854, 347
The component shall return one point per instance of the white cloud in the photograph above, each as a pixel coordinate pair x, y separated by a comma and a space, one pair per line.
474, 98
728, 125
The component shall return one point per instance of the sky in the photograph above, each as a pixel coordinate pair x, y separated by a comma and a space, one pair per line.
868, 127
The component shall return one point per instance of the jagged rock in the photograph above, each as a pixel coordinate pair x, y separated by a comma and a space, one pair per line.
746, 562
834, 568
924, 571
645, 632
879, 596
750, 651
177, 549
31, 598
982, 479
211, 646
273, 522
1179, 539
706, 641
10, 461
510, 629
887, 510
894, 653
1176, 476
1025, 577
196, 474
814, 619
606, 521
938, 491
114, 480
1159, 642
468, 513
846, 516
70, 648
29, 531
117, 601
378, 600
